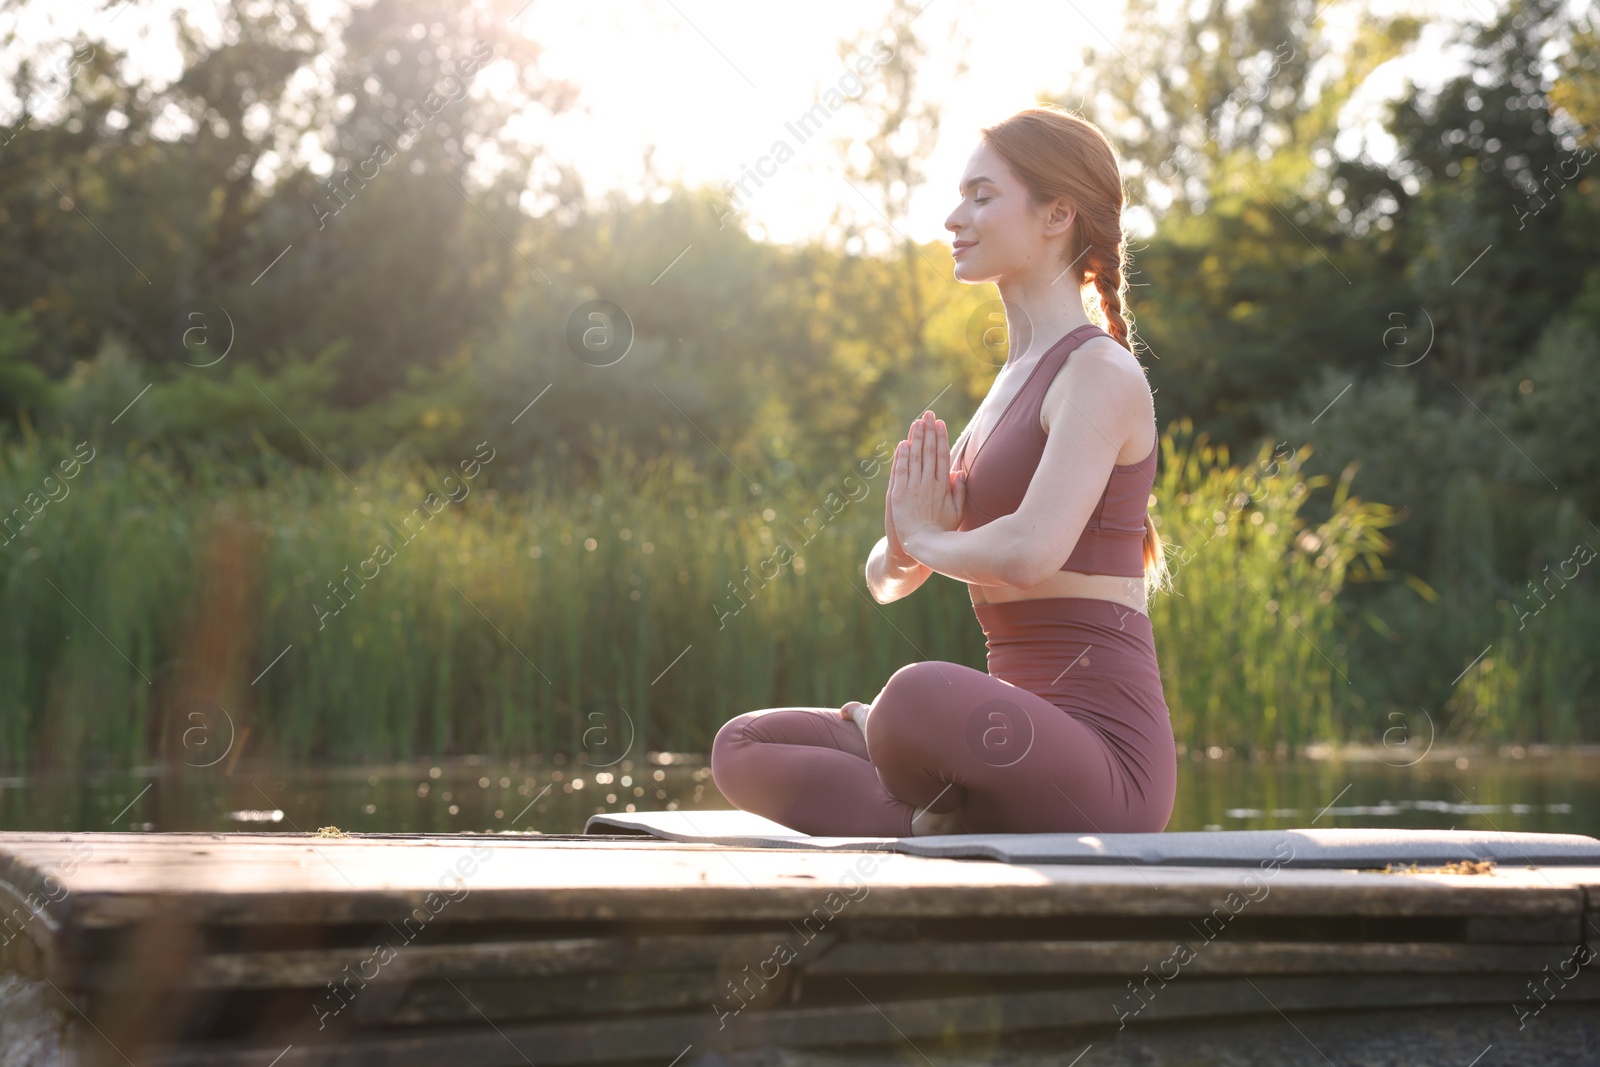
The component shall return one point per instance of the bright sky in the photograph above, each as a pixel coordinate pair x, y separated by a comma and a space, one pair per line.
711, 84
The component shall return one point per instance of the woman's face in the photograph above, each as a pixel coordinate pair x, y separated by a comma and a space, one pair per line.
998, 232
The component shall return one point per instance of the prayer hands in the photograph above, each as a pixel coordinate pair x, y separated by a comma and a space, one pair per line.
922, 494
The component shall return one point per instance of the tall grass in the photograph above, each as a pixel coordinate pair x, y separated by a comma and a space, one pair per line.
1534, 640
191, 616
1252, 637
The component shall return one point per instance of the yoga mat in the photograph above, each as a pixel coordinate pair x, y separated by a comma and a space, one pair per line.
724, 827
1309, 847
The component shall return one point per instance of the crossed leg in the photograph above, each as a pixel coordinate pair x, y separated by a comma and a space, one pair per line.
941, 736
808, 769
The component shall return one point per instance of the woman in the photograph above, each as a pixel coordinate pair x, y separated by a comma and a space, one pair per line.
1068, 730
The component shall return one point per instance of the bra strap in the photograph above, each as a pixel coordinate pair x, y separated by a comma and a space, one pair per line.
1065, 351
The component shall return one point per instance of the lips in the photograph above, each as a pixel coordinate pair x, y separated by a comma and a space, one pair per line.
961, 246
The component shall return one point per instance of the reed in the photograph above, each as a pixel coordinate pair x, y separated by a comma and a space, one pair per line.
188, 609
1251, 637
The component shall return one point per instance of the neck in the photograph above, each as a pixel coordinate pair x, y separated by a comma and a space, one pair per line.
1026, 345
1040, 311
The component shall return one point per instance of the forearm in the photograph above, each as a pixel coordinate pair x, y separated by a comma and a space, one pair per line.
989, 555
889, 584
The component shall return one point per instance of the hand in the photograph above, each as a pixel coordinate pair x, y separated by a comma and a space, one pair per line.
922, 495
897, 558
855, 711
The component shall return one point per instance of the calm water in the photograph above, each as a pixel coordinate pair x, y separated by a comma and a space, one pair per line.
1553, 791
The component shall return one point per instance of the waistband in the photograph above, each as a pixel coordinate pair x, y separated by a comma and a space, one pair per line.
1033, 643
1041, 612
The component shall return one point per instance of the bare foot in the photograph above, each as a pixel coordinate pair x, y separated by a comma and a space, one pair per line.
925, 823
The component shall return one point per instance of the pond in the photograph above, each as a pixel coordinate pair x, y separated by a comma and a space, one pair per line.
1538, 788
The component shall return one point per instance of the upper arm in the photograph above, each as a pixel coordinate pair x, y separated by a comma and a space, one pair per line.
1089, 405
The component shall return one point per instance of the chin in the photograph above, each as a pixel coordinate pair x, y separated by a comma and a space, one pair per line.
966, 272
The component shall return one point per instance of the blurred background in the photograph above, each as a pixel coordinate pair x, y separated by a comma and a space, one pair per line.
423, 416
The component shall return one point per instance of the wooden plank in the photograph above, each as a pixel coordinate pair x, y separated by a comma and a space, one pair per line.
625, 891
880, 1021
1525, 929
1204, 957
300, 879
567, 996
311, 968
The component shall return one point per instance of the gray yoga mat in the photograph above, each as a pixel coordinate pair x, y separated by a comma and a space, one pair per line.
1311, 847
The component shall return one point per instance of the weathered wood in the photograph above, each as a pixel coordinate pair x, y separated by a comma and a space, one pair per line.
569, 996
309, 968
1204, 957
232, 934
876, 1021
286, 879
1523, 929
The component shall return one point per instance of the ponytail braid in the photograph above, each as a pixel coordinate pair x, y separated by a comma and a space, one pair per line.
1058, 153
1104, 271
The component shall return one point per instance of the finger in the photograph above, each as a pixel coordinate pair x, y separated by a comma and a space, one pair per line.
888, 500
941, 452
922, 448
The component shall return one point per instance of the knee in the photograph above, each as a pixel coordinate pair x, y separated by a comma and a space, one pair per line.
723, 747
730, 732
903, 706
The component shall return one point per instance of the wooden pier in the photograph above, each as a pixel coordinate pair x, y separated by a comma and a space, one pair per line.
250, 950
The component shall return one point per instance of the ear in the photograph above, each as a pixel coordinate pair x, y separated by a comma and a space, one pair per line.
1061, 216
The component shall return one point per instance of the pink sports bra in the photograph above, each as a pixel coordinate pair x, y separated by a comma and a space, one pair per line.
1113, 540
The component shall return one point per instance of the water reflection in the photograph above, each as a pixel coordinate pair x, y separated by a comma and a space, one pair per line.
1533, 789
1553, 791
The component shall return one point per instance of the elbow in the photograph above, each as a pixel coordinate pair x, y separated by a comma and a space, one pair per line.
1024, 571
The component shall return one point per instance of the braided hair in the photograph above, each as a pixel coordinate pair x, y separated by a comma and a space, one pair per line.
1057, 153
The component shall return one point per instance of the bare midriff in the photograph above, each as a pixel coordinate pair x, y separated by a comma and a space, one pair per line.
1126, 591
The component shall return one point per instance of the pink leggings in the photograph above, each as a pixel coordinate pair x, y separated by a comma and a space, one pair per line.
1068, 732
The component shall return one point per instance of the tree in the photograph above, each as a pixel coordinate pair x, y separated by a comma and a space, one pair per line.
888, 161
1180, 96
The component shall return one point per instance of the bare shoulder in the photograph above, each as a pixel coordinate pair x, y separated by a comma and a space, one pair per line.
1105, 351
1104, 380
